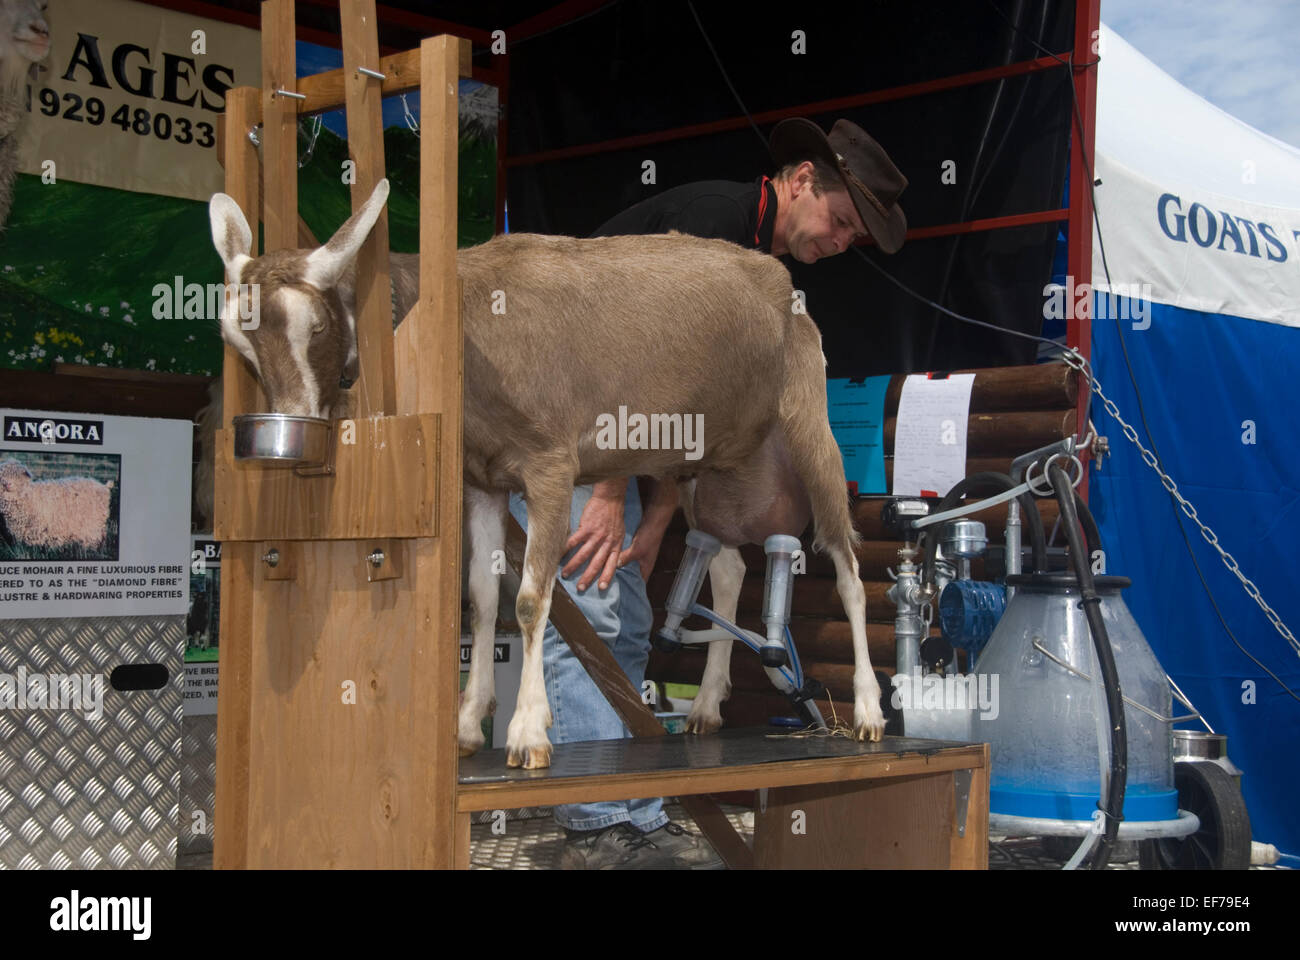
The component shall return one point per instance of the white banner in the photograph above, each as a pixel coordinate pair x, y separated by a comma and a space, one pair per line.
94, 515
130, 94
1195, 248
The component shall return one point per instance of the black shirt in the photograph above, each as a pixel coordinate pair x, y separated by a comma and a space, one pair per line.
743, 213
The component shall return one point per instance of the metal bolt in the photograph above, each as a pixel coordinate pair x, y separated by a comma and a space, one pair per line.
376, 558
271, 558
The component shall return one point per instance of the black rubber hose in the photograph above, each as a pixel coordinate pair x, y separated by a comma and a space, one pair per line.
1091, 532
1028, 510
1091, 603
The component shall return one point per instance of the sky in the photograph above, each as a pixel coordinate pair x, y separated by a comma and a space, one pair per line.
1239, 56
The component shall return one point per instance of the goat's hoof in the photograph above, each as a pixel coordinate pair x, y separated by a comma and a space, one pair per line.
869, 723
870, 731
704, 724
530, 758
470, 742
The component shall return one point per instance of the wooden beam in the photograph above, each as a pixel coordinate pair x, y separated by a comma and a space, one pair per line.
241, 394
325, 91
240, 390
376, 389
279, 125
433, 359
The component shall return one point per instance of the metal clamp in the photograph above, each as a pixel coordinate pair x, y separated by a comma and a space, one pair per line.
1050, 491
961, 781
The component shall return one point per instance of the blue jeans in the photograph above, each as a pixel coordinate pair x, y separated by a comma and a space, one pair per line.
621, 616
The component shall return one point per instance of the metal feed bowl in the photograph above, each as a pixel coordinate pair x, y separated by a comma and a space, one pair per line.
280, 440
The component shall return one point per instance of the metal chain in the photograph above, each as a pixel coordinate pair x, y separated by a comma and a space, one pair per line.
255, 139
410, 117
1076, 361
311, 144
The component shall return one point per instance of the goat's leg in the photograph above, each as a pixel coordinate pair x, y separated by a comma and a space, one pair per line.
548, 529
726, 574
745, 505
485, 517
816, 459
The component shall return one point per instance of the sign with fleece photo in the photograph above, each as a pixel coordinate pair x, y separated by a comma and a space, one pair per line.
94, 515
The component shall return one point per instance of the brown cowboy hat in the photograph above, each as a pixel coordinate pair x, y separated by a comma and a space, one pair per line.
869, 175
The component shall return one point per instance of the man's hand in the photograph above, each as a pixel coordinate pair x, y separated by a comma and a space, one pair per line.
599, 535
645, 546
658, 510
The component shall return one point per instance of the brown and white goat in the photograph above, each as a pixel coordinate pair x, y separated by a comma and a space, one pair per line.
657, 324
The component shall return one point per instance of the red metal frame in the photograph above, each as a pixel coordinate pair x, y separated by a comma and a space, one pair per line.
1087, 16
801, 110
556, 16
241, 18
419, 22
989, 223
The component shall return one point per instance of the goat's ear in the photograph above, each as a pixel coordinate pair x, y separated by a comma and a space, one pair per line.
230, 233
326, 264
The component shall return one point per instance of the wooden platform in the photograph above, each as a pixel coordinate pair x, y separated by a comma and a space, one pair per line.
829, 802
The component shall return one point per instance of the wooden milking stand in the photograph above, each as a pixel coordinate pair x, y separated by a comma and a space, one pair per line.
340, 593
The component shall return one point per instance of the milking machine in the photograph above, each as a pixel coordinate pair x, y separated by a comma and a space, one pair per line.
775, 648
1060, 681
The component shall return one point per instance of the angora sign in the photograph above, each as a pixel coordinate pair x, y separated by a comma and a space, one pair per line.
94, 515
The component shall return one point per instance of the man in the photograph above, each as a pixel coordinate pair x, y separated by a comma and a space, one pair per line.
827, 193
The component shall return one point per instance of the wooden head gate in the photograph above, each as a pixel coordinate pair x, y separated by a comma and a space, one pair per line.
337, 703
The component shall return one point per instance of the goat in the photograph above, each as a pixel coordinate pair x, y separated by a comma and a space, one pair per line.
24, 42
53, 513
650, 321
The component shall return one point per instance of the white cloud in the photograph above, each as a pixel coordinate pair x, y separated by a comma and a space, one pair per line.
1240, 57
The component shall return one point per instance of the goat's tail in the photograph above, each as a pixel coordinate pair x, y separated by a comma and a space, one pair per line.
812, 447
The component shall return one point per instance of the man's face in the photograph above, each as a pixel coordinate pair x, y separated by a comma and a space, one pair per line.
820, 226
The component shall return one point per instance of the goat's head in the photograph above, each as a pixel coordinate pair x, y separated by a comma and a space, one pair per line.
24, 38
300, 335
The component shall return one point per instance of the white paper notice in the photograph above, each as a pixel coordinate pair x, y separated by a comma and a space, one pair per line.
930, 438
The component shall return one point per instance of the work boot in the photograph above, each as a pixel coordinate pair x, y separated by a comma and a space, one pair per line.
686, 850
620, 847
